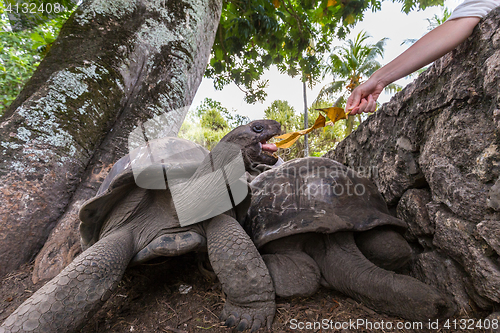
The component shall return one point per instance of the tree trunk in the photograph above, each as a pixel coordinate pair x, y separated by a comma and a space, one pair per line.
114, 66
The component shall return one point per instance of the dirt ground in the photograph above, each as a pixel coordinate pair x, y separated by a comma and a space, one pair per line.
173, 296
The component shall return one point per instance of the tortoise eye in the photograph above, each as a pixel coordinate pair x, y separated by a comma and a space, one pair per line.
258, 128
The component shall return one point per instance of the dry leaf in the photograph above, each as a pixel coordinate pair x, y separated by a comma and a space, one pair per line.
334, 113
289, 139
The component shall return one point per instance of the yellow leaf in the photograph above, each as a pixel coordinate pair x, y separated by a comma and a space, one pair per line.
320, 122
331, 3
276, 3
288, 139
334, 113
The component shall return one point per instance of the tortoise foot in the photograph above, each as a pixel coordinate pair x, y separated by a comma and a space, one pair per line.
252, 316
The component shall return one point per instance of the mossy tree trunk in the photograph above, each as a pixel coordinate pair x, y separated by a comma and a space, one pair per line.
114, 66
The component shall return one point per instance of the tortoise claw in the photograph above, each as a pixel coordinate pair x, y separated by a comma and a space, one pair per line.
270, 322
256, 325
243, 325
230, 321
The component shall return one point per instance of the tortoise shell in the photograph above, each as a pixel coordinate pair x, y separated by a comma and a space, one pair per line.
313, 195
144, 167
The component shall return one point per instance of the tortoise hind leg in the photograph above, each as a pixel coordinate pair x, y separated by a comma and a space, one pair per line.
384, 247
242, 273
65, 302
348, 271
294, 272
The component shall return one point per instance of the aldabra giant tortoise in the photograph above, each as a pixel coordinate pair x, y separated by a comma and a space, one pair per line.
303, 219
125, 223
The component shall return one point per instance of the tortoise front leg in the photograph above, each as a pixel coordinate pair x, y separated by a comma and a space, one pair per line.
242, 273
64, 303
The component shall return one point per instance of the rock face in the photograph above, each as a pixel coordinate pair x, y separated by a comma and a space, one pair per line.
434, 153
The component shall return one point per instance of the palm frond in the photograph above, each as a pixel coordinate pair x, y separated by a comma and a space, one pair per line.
393, 88
328, 91
350, 63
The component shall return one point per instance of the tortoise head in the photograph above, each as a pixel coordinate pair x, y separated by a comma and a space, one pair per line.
252, 140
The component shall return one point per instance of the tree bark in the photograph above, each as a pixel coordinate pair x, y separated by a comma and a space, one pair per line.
114, 66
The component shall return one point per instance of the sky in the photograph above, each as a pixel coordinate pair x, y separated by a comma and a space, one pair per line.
388, 22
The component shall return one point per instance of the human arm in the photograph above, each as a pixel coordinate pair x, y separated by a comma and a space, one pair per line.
432, 46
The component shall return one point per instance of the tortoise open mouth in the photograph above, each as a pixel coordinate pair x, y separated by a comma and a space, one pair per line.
268, 148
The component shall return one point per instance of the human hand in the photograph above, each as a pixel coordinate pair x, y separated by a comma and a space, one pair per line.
432, 46
364, 97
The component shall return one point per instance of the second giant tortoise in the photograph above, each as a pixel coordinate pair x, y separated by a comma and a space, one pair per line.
316, 221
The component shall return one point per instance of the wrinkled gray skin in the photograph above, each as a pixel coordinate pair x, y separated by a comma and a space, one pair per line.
317, 222
126, 223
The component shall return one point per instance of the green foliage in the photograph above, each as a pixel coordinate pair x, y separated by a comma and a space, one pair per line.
192, 130
291, 34
21, 52
437, 20
209, 122
213, 120
255, 34
283, 113
252, 35
409, 5
233, 119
